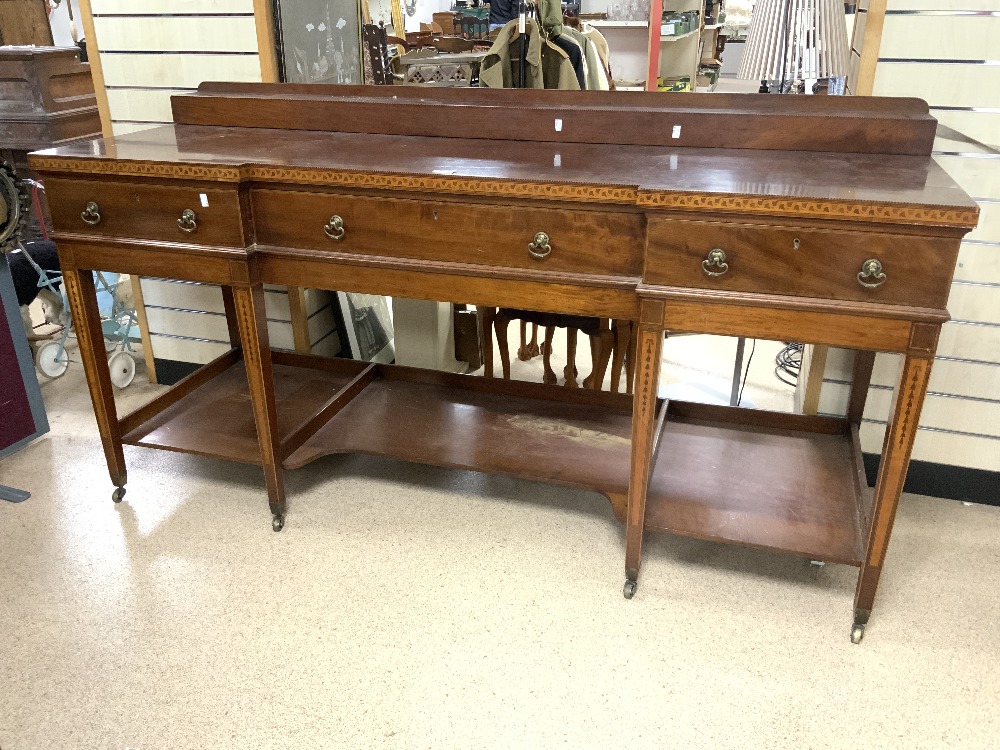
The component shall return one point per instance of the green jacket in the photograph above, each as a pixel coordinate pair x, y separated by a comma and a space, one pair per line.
548, 66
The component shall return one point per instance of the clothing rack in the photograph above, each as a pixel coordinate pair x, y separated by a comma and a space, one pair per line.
523, 8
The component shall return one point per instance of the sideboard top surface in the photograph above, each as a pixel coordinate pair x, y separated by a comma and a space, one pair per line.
902, 187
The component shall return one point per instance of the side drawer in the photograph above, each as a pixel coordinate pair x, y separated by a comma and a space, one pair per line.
145, 211
801, 261
580, 241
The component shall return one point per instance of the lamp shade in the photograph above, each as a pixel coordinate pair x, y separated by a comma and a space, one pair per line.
793, 39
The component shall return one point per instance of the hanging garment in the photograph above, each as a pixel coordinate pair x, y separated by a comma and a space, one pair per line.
597, 79
576, 56
548, 66
502, 11
601, 47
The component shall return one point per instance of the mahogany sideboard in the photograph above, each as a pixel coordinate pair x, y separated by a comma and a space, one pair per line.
825, 222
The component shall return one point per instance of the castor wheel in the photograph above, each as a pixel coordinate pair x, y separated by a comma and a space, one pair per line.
277, 522
118, 494
629, 590
857, 633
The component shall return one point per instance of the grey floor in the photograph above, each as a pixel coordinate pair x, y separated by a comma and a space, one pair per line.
411, 607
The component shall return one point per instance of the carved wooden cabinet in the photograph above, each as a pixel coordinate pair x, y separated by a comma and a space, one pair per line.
46, 99
830, 225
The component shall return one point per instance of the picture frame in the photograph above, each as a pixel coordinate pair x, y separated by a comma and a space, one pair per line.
389, 12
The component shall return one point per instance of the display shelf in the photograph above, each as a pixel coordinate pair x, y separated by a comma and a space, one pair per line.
777, 481
578, 438
528, 430
619, 24
215, 419
679, 37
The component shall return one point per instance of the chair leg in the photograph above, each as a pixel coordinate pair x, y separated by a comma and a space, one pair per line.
522, 351
486, 317
569, 372
533, 349
500, 323
622, 333
633, 345
549, 375
606, 344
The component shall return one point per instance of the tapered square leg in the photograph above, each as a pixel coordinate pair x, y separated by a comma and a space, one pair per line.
87, 320
899, 437
647, 374
249, 306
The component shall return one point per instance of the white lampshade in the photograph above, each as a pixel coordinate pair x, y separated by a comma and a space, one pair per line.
792, 39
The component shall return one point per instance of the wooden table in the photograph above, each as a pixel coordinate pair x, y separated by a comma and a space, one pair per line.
832, 225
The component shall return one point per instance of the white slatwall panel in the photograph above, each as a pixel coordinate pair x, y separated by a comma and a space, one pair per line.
974, 301
151, 50
124, 127
178, 312
188, 7
978, 262
937, 5
927, 38
921, 41
982, 126
181, 70
176, 33
941, 84
143, 105
973, 379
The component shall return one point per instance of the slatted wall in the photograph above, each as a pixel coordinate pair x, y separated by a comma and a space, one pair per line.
151, 49
947, 52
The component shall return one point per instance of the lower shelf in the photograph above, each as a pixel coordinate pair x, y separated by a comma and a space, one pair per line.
777, 481
216, 419
791, 490
574, 444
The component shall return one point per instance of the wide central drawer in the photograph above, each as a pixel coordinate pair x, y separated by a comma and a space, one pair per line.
801, 261
576, 240
146, 211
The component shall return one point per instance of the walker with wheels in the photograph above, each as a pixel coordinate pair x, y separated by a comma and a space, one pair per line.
52, 359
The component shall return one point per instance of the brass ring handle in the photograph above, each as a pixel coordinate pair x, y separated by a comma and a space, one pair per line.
91, 214
334, 229
188, 221
871, 269
716, 259
540, 247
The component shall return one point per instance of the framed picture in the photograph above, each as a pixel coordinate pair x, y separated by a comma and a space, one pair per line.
388, 12
367, 324
319, 41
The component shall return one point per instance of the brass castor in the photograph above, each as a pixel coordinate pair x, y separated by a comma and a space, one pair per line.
277, 522
118, 494
857, 633
629, 590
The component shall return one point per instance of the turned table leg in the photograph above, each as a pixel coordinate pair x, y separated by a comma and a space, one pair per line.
900, 433
249, 304
650, 345
87, 320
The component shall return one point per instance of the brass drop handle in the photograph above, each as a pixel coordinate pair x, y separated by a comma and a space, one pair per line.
334, 229
540, 248
91, 214
715, 262
871, 269
188, 221
796, 243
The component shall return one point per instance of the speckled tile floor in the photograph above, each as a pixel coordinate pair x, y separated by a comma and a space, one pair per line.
411, 607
